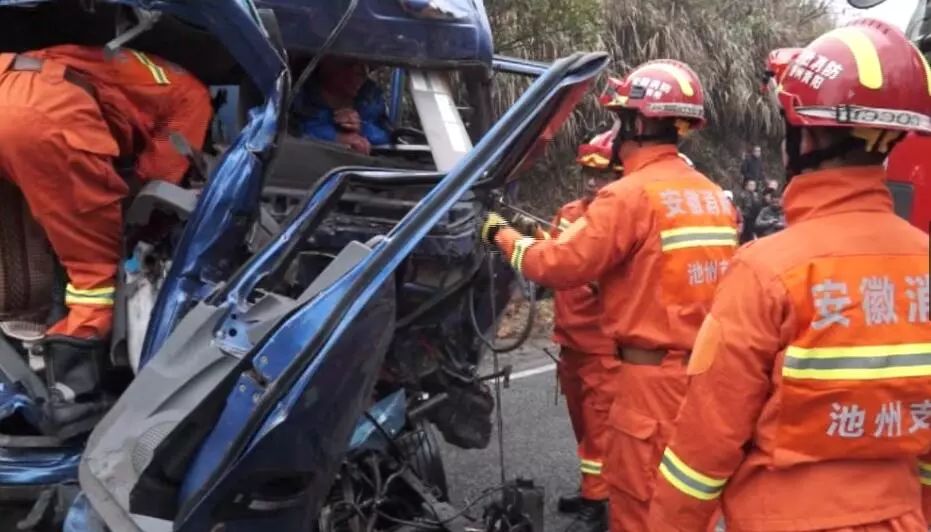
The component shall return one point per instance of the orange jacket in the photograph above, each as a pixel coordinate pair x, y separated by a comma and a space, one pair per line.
577, 321
810, 399
144, 99
656, 242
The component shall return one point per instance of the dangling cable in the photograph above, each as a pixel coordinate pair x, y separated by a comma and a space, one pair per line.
327, 44
499, 416
531, 295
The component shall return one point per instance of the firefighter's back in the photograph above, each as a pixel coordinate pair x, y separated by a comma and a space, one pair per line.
658, 298
850, 407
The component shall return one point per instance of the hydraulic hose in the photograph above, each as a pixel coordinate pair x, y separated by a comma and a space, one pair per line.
531, 313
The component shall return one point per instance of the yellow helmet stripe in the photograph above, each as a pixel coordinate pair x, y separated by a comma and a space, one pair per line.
864, 53
681, 76
593, 160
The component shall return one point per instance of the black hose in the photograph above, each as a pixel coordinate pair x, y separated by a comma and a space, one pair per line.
531, 317
376, 472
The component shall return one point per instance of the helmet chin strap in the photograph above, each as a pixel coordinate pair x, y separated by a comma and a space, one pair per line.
798, 162
628, 132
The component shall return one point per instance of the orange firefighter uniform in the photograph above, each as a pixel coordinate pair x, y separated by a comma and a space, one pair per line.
809, 400
802, 408
587, 367
656, 241
68, 113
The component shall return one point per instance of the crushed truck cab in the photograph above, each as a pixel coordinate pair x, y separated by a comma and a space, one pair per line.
296, 317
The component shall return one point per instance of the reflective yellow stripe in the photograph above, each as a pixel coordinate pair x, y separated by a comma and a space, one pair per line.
858, 362
109, 291
591, 467
698, 236
564, 224
93, 296
521, 247
864, 53
157, 72
924, 473
681, 76
687, 480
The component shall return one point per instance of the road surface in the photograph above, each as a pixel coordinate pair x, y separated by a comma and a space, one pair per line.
538, 441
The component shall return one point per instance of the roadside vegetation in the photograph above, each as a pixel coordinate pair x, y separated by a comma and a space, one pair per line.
725, 41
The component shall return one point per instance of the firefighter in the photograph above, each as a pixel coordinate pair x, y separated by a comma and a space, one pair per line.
656, 242
70, 113
809, 400
587, 367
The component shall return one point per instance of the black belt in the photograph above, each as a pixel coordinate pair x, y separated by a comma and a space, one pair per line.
24, 63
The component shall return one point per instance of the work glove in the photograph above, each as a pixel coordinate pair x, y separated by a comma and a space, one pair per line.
525, 224
493, 223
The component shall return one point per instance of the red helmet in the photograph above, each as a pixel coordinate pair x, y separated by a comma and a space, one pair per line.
659, 89
866, 74
596, 154
776, 64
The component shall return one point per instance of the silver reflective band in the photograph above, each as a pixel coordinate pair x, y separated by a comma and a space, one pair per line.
689, 481
521, 247
875, 362
683, 109
869, 117
670, 240
697, 236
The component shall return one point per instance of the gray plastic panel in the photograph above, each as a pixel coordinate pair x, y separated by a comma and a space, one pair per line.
169, 388
164, 196
350, 255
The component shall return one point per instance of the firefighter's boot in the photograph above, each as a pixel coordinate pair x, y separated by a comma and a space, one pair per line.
72, 373
591, 517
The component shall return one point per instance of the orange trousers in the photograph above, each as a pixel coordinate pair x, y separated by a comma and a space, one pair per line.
910, 522
589, 382
57, 149
641, 422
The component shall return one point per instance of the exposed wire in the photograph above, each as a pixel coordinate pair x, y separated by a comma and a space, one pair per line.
484, 495
499, 417
432, 525
327, 44
531, 315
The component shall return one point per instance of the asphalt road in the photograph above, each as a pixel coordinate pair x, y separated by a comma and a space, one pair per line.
538, 441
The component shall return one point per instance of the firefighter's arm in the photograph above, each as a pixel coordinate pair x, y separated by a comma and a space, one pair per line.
187, 111
583, 251
730, 371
